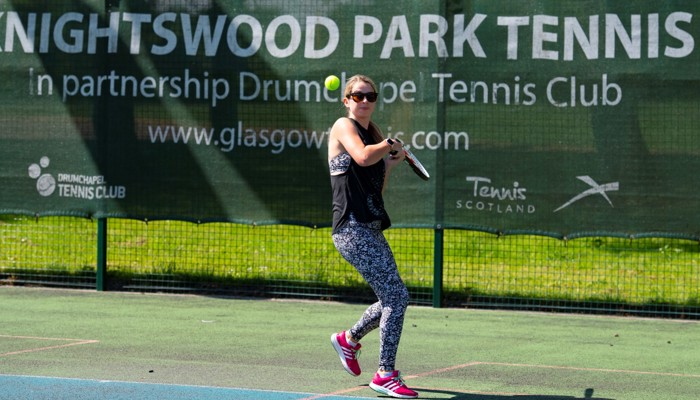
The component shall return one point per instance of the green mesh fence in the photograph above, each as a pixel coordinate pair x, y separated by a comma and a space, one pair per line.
560, 135
640, 276
53, 251
564, 118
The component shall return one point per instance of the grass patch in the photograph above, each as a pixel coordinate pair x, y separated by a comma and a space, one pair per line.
224, 255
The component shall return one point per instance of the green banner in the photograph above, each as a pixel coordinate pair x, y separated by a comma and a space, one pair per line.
562, 117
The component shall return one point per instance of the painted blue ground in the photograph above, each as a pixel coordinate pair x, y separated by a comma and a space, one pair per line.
43, 388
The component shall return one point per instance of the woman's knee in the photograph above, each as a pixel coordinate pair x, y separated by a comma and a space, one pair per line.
400, 298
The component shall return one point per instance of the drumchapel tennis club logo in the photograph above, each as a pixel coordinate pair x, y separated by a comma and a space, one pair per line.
595, 189
78, 186
45, 183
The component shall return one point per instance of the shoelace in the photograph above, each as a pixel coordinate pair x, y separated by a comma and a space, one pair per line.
399, 380
356, 353
349, 350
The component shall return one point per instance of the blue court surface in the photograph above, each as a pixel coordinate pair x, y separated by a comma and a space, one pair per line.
44, 388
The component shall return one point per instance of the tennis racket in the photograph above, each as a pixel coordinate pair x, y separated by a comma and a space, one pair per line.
415, 165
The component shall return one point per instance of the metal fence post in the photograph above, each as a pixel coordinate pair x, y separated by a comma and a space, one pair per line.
101, 254
438, 248
438, 179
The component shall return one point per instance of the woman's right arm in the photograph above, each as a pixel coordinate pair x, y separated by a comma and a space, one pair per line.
344, 137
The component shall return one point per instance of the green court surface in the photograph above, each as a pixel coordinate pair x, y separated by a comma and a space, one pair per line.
68, 344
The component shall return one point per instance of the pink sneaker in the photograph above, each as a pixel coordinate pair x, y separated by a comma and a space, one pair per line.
392, 386
348, 354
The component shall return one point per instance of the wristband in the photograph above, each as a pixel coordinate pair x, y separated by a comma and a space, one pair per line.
391, 142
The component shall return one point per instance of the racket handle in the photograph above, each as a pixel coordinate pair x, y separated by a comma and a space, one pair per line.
395, 152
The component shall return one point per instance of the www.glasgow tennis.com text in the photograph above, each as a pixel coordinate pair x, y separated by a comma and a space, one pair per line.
278, 139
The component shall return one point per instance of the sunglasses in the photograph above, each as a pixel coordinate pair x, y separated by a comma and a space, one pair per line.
359, 97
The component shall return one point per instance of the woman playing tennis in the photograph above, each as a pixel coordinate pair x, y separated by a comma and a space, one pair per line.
360, 162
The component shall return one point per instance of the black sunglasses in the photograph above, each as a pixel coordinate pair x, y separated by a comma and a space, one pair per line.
358, 97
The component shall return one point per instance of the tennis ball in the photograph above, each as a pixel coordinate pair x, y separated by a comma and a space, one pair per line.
332, 82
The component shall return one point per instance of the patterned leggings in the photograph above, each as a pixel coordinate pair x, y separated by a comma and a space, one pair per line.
367, 250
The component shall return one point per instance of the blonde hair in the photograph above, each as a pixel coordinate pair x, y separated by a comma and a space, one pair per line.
373, 128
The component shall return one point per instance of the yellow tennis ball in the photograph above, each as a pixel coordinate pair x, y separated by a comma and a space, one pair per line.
332, 82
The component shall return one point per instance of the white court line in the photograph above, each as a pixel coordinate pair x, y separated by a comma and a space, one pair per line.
246, 391
477, 363
564, 367
75, 342
619, 371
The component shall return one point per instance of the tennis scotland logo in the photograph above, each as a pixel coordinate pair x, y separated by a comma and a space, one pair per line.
45, 183
77, 186
595, 188
486, 196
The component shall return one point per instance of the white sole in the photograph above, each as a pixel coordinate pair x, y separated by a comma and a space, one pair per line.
382, 390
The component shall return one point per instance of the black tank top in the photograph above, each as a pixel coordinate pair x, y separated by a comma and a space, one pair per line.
357, 191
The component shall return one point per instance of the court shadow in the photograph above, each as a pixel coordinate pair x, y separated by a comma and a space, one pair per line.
426, 394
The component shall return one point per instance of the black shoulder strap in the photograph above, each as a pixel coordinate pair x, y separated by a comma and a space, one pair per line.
362, 132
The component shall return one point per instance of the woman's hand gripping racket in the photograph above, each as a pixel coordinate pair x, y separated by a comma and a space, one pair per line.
413, 162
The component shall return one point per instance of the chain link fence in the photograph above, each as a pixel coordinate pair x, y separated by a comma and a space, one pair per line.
452, 268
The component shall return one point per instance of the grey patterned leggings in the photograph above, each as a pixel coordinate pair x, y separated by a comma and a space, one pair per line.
367, 250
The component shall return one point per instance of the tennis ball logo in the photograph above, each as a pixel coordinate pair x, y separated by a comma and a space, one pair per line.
46, 183
332, 82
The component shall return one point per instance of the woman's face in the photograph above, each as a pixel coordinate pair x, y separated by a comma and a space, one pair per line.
364, 108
